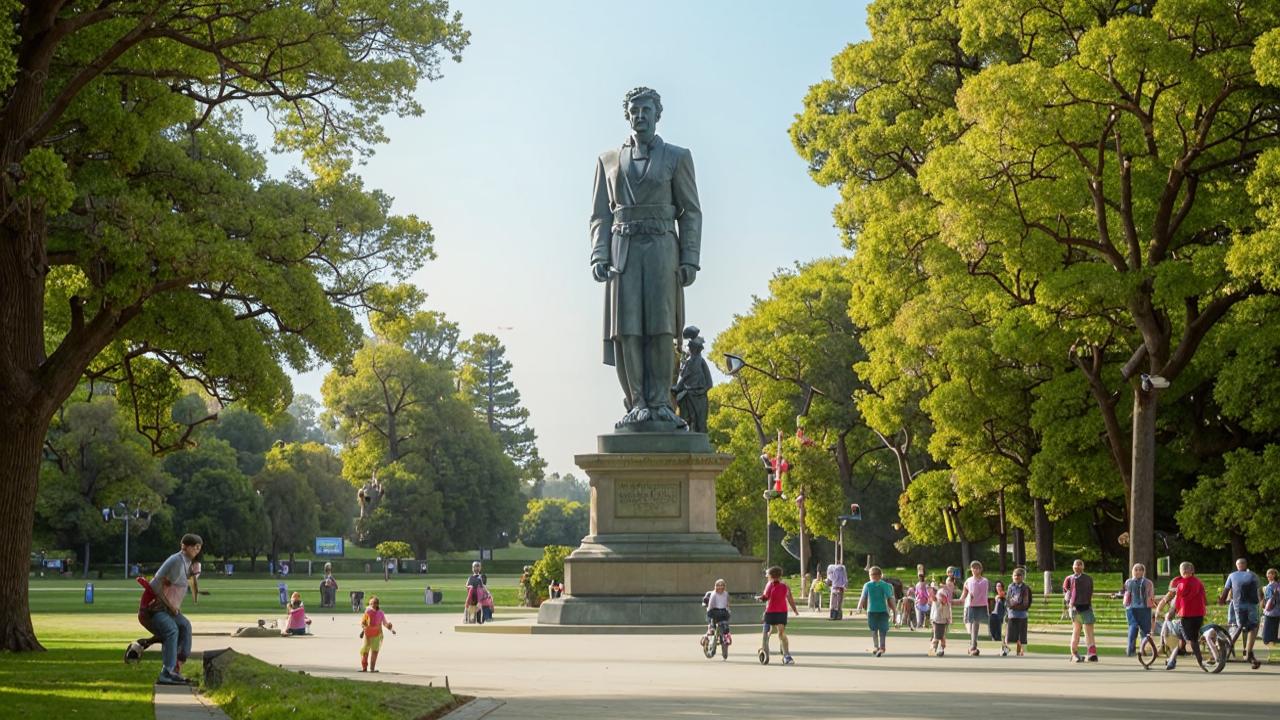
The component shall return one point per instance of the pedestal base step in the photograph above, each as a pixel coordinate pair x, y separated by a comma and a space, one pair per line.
596, 610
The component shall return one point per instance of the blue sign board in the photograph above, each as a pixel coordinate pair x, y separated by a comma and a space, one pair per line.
329, 546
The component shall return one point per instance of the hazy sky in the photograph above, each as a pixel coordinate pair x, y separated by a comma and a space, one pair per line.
502, 166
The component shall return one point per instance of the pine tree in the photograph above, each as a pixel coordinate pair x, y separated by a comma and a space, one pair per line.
485, 379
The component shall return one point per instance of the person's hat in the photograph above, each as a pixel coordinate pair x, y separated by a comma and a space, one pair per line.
697, 343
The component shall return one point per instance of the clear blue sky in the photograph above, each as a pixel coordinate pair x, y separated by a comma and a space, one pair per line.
502, 162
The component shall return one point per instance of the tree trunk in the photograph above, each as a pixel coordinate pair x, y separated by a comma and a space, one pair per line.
1044, 538
1237, 547
966, 553
86, 559
1142, 511
20, 444
1019, 548
1004, 535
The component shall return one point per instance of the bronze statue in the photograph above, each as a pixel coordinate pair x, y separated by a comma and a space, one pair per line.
369, 495
692, 386
646, 235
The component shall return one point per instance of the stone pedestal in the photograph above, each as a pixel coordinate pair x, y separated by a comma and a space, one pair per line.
653, 549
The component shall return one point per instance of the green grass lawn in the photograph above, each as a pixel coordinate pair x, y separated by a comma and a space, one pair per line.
259, 596
79, 676
250, 688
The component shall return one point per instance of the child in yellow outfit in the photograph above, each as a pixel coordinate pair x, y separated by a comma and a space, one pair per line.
371, 630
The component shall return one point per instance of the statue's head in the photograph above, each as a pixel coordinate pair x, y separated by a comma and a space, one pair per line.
643, 109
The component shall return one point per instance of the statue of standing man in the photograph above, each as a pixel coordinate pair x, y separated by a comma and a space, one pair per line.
646, 234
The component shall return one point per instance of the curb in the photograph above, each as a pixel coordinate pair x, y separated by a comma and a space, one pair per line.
474, 709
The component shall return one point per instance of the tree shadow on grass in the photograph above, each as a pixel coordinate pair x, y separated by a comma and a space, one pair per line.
89, 682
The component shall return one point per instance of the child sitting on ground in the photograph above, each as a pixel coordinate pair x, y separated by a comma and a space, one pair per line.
717, 604
298, 620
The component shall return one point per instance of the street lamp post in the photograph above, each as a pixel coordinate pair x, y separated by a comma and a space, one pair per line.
123, 511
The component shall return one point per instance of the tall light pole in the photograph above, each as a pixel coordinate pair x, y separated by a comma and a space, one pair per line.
123, 511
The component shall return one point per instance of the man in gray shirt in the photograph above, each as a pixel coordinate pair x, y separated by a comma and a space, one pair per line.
163, 615
1245, 591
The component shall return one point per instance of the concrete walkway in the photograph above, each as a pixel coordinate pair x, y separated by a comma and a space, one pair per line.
178, 702
655, 676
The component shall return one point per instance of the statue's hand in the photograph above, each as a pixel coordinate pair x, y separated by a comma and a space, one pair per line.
600, 271
687, 274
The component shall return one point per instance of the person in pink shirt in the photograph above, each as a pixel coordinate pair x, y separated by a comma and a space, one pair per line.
298, 620
371, 625
777, 597
974, 599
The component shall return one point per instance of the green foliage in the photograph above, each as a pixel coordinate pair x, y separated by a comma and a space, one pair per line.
553, 521
93, 460
485, 377
566, 487
447, 483
801, 344
1243, 500
246, 432
336, 503
1035, 190
548, 568
393, 549
290, 504
217, 501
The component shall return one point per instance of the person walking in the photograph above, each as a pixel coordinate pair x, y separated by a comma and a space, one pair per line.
1189, 602
1018, 597
974, 600
371, 624
1077, 590
877, 600
1243, 590
998, 612
1139, 599
941, 616
838, 581
1271, 610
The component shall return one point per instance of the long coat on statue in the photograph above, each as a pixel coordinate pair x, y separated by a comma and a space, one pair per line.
645, 225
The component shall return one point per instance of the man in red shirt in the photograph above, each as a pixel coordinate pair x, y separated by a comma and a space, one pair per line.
1188, 596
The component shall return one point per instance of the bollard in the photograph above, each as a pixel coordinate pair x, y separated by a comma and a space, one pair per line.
1048, 583
284, 594
88, 593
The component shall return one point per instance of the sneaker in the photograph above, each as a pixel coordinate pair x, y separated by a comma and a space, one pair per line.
976, 652
1173, 663
1075, 658
878, 652
1254, 663
168, 678
786, 660
941, 652
1093, 657
133, 653
1004, 652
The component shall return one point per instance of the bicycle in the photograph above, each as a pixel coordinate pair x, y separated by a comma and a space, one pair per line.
718, 639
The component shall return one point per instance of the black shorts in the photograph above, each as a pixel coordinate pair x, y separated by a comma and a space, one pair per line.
940, 631
775, 618
1017, 630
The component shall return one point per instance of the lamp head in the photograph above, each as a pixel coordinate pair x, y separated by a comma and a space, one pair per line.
733, 363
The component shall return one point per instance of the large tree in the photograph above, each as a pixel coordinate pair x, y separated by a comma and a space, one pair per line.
486, 382
137, 218
94, 459
1087, 160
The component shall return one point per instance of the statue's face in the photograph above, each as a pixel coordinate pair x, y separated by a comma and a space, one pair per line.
643, 115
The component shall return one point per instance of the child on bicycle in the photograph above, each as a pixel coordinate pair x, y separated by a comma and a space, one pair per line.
777, 597
717, 603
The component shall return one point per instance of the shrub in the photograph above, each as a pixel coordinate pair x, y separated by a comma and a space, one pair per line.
550, 567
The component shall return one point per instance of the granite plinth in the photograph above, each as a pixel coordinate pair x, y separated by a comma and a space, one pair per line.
653, 548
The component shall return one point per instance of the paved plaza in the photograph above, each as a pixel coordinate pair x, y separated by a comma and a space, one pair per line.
656, 676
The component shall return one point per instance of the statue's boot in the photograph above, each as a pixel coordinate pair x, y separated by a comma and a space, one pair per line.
659, 369
631, 365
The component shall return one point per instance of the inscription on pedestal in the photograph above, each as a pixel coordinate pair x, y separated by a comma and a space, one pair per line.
646, 499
